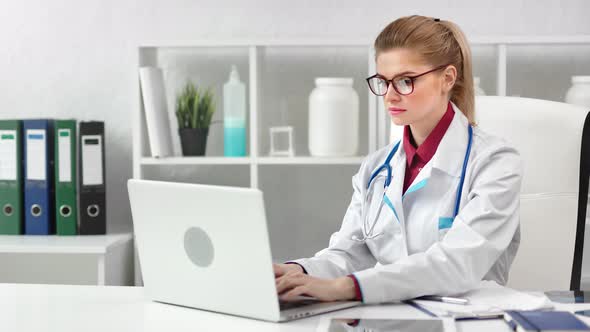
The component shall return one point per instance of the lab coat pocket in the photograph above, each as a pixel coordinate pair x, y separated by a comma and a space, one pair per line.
444, 224
388, 247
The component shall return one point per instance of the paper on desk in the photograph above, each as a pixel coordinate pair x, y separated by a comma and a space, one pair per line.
489, 297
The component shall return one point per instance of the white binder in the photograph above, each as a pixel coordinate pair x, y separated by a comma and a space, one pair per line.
156, 111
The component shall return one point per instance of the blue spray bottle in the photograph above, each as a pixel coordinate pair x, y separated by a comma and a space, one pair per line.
234, 119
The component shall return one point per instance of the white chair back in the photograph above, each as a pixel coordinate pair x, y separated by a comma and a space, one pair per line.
553, 140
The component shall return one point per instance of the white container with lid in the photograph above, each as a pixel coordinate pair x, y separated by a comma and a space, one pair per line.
333, 118
579, 92
477, 89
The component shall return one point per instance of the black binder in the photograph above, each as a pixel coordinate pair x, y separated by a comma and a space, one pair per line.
92, 185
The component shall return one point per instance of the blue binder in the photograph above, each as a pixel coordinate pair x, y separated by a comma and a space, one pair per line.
539, 320
38, 171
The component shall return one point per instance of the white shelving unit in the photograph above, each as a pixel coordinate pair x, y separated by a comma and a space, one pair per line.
282, 71
148, 55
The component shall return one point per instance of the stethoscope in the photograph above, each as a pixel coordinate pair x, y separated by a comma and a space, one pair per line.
368, 230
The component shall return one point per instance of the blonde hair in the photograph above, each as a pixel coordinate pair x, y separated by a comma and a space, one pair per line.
439, 43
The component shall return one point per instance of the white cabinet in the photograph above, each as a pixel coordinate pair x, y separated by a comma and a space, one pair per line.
75, 260
305, 196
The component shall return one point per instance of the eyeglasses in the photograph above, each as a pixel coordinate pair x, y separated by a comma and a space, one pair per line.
403, 85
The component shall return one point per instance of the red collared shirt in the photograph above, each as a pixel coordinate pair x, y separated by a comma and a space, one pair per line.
417, 158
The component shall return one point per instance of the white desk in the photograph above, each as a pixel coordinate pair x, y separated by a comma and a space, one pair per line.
27, 307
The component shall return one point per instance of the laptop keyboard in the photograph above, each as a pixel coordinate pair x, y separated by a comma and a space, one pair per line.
296, 304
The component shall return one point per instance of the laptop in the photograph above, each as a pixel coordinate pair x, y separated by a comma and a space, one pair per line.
207, 247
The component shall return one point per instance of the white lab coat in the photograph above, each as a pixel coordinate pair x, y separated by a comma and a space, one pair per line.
413, 257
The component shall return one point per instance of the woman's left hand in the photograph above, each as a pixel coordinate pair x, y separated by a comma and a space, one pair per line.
293, 284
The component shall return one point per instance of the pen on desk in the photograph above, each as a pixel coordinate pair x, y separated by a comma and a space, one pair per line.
445, 299
491, 315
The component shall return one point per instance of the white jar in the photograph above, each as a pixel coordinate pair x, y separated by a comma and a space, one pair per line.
477, 89
579, 92
333, 118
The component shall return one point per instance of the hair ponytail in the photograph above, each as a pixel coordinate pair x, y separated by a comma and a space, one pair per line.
463, 94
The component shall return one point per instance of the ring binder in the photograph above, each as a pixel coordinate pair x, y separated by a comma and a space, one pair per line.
65, 177
11, 178
38, 169
92, 178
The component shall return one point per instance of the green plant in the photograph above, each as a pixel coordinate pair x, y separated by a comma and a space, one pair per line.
194, 107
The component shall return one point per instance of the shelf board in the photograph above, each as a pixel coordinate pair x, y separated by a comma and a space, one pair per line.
196, 161
310, 160
363, 42
54, 244
249, 160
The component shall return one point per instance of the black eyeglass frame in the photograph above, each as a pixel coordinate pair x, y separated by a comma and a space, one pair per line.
390, 82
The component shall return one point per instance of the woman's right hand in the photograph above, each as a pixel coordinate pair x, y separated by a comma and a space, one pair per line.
282, 269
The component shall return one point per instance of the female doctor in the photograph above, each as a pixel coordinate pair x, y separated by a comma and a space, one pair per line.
434, 213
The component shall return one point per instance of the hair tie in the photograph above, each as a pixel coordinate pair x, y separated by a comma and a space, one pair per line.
437, 20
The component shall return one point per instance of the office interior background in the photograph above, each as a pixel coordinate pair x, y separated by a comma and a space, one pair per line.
80, 59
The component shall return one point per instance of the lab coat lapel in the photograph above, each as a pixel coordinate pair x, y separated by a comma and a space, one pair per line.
451, 150
420, 181
393, 197
448, 154
394, 192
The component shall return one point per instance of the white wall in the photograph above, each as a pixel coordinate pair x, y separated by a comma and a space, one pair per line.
78, 58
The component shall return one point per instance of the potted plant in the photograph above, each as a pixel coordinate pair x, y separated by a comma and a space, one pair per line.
194, 110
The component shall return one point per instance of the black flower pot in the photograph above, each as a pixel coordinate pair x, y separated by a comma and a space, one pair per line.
193, 141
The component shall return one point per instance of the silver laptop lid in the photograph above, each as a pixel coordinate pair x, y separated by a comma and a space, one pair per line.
205, 247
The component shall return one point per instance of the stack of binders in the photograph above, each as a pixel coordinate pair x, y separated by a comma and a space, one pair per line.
40, 192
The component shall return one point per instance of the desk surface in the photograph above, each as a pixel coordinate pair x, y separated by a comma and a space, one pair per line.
99, 308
